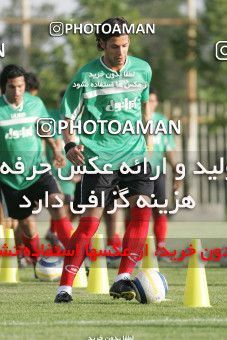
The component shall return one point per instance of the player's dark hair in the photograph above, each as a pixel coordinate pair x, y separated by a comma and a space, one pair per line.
10, 71
153, 91
101, 35
32, 82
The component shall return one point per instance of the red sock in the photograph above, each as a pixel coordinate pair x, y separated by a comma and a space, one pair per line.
160, 229
115, 241
127, 221
32, 244
52, 225
64, 230
135, 238
79, 241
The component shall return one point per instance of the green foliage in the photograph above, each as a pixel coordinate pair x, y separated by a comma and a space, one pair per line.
83, 47
213, 80
168, 71
56, 60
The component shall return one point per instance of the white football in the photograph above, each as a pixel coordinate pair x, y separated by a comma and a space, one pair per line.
49, 268
151, 286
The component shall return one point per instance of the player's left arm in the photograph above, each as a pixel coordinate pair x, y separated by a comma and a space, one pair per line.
146, 116
58, 157
145, 108
59, 160
170, 157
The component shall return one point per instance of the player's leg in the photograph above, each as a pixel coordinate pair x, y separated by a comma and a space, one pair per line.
76, 199
9, 222
51, 235
135, 234
113, 238
30, 236
18, 234
67, 199
69, 190
79, 241
13, 199
160, 220
133, 241
87, 227
61, 224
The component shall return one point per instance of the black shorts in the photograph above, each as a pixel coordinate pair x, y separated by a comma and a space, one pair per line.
137, 184
36, 191
68, 198
160, 189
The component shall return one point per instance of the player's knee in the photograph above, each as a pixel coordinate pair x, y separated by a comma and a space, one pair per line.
142, 214
133, 200
88, 226
28, 226
55, 199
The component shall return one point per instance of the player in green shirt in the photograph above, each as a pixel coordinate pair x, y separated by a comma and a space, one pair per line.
114, 87
51, 146
20, 150
163, 146
67, 186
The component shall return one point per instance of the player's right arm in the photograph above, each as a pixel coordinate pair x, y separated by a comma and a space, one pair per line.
71, 108
75, 153
146, 117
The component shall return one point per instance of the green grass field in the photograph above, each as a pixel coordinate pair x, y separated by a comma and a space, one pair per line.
27, 310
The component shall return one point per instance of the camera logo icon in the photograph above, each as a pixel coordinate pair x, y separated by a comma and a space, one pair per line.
46, 127
221, 50
56, 28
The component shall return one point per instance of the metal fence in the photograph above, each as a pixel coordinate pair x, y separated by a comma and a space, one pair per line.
211, 145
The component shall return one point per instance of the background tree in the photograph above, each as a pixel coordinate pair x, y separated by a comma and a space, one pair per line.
55, 60
213, 80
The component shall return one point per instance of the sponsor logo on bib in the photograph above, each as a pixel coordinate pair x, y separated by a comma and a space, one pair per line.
24, 132
125, 104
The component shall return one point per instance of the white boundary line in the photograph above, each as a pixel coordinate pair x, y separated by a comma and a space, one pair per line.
167, 322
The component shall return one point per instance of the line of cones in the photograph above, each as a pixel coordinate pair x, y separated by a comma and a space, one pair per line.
196, 290
195, 293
